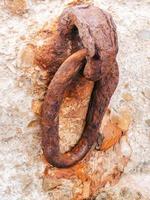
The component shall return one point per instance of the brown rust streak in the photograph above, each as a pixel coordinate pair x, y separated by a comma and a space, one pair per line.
83, 31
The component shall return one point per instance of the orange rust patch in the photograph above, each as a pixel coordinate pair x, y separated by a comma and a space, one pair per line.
112, 135
36, 107
127, 97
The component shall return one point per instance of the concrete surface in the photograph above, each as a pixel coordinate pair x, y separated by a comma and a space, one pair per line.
21, 162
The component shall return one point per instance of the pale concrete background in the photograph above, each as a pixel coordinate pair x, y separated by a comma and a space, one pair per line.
21, 166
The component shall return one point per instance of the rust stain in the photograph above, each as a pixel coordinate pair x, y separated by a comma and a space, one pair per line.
112, 135
36, 106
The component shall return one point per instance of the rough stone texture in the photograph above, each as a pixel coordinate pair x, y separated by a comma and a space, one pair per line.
22, 164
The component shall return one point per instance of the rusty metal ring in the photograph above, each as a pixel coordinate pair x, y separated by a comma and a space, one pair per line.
53, 99
101, 67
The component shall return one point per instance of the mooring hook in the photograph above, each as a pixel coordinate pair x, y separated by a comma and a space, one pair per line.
96, 33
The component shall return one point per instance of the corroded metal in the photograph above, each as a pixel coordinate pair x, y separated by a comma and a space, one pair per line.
86, 39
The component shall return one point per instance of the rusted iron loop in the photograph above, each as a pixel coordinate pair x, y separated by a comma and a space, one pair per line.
96, 42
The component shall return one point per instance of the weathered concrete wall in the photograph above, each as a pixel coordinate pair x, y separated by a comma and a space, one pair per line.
22, 164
